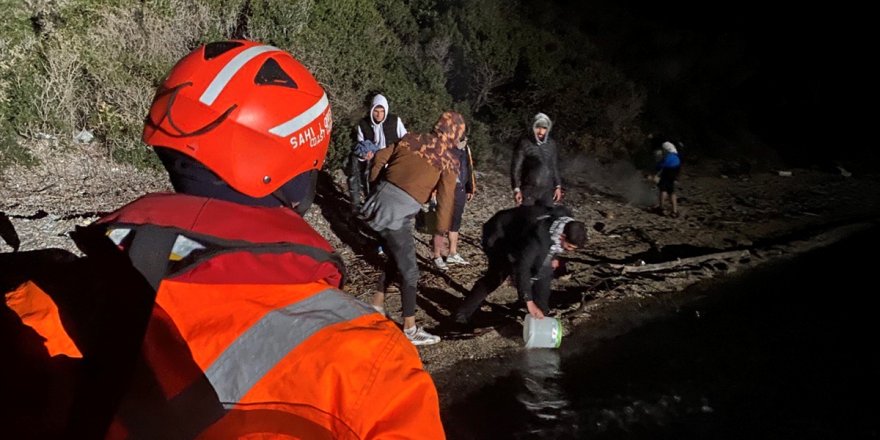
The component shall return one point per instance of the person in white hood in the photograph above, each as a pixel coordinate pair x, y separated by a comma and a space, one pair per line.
534, 168
382, 128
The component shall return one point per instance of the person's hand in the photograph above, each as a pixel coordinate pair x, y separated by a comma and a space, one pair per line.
554, 263
557, 194
534, 310
655, 178
369, 155
517, 198
470, 196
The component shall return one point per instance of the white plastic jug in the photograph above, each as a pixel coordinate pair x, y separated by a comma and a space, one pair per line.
542, 333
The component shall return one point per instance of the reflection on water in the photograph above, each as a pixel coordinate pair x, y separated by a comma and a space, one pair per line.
543, 396
788, 351
529, 402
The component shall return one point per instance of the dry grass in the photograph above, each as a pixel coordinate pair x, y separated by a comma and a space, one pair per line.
59, 100
102, 78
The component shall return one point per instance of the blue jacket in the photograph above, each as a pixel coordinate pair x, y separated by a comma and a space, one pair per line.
670, 160
365, 146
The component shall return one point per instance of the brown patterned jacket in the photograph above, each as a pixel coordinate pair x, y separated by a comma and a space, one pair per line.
421, 162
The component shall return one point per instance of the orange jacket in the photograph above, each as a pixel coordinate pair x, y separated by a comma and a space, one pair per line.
226, 354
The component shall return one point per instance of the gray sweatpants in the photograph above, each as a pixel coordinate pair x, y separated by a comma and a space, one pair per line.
401, 247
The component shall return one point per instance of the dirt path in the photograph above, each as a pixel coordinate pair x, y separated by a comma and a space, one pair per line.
728, 224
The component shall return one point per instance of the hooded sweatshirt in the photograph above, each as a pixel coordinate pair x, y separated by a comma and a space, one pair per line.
535, 161
421, 162
380, 133
670, 158
541, 120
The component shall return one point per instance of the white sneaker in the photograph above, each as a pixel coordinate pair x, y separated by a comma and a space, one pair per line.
379, 309
418, 336
456, 259
440, 264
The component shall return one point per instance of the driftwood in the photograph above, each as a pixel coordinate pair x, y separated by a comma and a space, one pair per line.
680, 262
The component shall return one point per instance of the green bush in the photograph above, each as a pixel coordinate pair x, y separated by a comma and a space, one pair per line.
11, 152
95, 64
18, 73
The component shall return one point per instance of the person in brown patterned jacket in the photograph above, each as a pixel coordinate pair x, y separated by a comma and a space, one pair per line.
405, 176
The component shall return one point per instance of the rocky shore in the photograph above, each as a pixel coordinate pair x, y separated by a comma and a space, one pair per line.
729, 223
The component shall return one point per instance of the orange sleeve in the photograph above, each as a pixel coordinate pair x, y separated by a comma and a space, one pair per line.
356, 379
403, 402
37, 310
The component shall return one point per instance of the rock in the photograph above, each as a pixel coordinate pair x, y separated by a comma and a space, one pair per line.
84, 136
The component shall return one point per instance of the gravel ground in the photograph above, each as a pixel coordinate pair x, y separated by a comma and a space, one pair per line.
745, 220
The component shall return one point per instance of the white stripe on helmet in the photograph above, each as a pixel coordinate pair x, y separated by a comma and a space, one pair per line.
230, 69
303, 119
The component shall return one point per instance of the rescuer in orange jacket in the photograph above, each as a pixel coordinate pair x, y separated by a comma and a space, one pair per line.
226, 318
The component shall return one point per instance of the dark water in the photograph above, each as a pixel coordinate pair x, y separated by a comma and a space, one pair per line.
788, 351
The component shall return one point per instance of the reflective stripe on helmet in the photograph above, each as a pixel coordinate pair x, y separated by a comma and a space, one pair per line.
269, 340
230, 69
303, 119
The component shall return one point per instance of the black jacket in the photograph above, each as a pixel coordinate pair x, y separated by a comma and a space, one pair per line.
466, 175
535, 166
389, 128
521, 237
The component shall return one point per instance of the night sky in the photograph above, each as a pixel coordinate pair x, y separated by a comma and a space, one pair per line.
744, 76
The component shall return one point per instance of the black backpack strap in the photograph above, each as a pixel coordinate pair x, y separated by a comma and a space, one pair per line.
122, 290
149, 252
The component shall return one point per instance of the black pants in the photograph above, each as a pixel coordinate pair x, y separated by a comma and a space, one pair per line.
537, 195
500, 267
667, 179
458, 208
358, 179
401, 247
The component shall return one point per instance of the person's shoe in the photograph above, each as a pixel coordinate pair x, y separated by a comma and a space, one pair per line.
456, 259
440, 264
418, 336
379, 309
460, 327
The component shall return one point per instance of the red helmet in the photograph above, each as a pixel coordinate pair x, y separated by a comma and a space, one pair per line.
249, 112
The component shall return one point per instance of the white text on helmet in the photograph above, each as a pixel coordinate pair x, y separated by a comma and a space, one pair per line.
308, 135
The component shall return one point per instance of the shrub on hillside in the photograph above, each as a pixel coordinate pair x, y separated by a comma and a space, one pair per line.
94, 64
